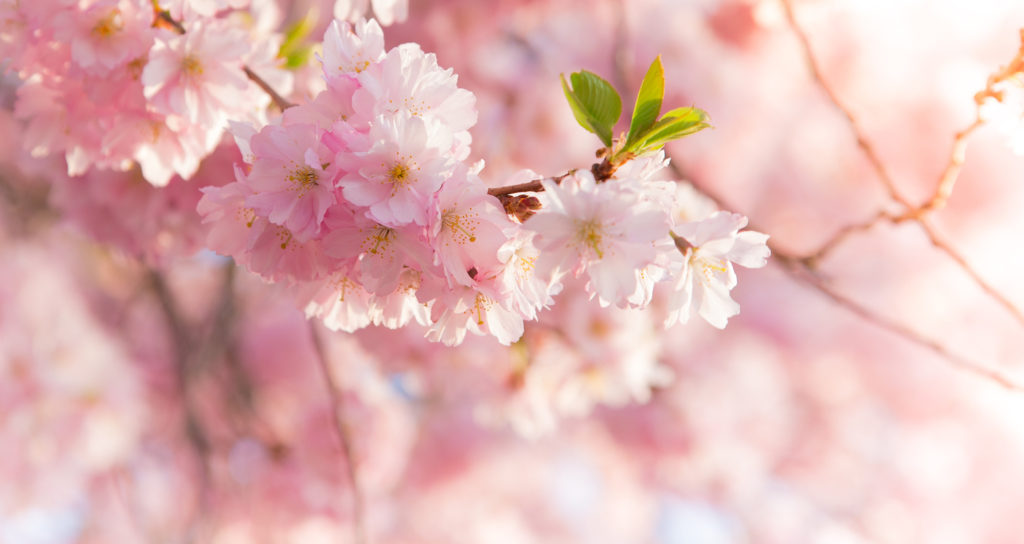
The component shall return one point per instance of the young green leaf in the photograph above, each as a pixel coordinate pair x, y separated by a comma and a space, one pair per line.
295, 50
648, 101
673, 125
594, 102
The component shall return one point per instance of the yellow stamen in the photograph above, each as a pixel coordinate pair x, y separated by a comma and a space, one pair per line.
461, 226
589, 234
191, 66
109, 25
380, 239
303, 179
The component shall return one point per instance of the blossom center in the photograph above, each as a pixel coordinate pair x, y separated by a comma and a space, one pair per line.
708, 266
399, 174
589, 233
191, 66
109, 25
358, 67
481, 305
380, 239
303, 179
460, 226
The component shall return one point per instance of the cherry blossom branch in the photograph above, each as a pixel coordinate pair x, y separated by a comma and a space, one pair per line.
337, 415
603, 171
180, 340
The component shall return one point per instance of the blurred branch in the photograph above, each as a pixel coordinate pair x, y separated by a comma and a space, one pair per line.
279, 101
342, 430
862, 142
796, 269
182, 365
183, 373
943, 189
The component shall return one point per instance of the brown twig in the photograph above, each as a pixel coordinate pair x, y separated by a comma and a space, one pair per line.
862, 142
164, 19
279, 101
533, 186
603, 171
938, 241
337, 414
943, 189
955, 163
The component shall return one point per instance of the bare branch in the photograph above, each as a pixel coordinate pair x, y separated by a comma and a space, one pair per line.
279, 101
944, 187
862, 142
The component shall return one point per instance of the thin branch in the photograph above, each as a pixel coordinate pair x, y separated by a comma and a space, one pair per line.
337, 414
800, 270
182, 367
797, 270
946, 182
955, 163
842, 234
533, 186
938, 241
862, 142
279, 101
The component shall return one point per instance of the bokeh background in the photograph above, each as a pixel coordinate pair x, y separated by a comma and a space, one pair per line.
150, 392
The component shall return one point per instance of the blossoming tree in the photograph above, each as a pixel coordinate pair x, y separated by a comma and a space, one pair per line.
319, 289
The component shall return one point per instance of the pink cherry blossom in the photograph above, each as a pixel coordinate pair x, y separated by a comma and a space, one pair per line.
598, 230
349, 50
396, 168
383, 252
107, 34
468, 229
292, 177
197, 74
409, 80
709, 247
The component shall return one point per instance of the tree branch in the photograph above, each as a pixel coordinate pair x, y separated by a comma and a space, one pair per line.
279, 101
337, 414
944, 187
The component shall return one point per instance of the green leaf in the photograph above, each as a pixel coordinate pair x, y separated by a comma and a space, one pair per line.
673, 125
648, 101
295, 51
298, 57
594, 102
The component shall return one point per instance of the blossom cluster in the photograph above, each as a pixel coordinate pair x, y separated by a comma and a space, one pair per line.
114, 83
363, 202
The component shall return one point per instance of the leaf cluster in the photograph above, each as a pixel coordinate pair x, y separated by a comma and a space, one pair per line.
597, 107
